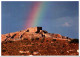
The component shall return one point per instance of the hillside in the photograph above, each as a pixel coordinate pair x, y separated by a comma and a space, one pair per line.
35, 41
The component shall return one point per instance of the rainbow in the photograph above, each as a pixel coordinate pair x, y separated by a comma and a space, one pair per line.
35, 15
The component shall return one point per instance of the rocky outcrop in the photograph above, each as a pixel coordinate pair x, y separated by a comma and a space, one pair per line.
35, 29
34, 32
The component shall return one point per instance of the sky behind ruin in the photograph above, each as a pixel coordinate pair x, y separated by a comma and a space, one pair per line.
58, 17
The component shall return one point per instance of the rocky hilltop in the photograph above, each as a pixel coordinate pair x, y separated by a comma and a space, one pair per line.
32, 32
35, 41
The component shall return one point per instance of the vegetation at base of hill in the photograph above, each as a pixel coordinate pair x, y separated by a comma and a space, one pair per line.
37, 38
47, 40
74, 41
25, 39
53, 39
42, 40
9, 41
32, 39
42, 46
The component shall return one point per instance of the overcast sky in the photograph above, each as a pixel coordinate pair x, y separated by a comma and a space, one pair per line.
58, 17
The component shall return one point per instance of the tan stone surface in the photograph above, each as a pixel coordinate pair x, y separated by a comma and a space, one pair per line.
19, 35
35, 29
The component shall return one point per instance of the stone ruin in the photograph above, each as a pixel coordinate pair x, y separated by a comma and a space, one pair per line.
34, 29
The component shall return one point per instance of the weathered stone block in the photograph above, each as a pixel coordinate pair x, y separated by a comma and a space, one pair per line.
34, 29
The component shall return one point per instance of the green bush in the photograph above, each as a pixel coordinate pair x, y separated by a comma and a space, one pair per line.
31, 52
46, 40
74, 41
32, 39
4, 42
53, 39
57, 42
37, 38
40, 44
62, 52
3, 50
9, 41
36, 43
33, 44
42, 40
52, 44
25, 39
63, 46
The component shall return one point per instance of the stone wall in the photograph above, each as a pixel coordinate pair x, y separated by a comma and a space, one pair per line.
34, 29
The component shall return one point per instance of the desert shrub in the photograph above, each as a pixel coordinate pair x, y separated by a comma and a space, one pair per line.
32, 39
63, 46
9, 41
36, 43
57, 42
34, 50
25, 39
49, 41
33, 44
46, 40
74, 41
40, 44
53, 39
37, 38
9, 53
62, 52
56, 37
4, 42
31, 51
42, 40
29, 42
3, 50
52, 44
